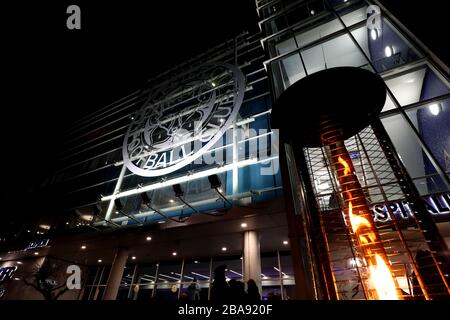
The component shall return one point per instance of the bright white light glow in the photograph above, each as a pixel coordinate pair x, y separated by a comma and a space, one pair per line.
200, 275
389, 51
224, 249
179, 180
99, 260
243, 225
83, 247
148, 238
285, 242
174, 253
374, 34
434, 109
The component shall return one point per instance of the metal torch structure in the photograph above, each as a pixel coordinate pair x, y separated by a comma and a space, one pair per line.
368, 232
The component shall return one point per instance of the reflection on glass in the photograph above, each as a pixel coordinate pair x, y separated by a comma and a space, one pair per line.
340, 51
417, 85
432, 122
412, 155
384, 46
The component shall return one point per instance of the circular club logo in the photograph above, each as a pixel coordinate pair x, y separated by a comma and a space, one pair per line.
182, 119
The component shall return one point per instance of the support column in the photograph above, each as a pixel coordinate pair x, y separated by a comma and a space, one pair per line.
252, 258
115, 275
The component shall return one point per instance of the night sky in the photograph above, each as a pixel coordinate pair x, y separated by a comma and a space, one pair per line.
53, 75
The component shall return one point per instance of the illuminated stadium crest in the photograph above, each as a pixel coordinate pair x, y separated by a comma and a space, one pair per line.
182, 119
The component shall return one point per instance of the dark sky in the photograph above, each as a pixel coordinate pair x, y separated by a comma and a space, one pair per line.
53, 75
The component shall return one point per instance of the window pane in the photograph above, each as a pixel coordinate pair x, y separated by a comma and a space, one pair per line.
433, 123
417, 85
340, 51
424, 175
287, 71
385, 47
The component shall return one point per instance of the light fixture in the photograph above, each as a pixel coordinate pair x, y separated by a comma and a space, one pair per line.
243, 225
133, 258
224, 249
435, 109
213, 84
312, 12
36, 253
374, 34
28, 231
148, 238
67, 222
83, 247
178, 190
174, 253
196, 262
285, 242
389, 51
99, 260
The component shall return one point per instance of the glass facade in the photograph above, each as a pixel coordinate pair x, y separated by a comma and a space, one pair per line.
176, 242
340, 34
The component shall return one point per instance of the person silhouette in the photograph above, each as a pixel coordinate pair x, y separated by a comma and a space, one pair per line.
252, 291
219, 288
194, 290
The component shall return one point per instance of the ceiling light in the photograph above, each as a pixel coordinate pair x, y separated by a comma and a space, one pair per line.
243, 225
224, 249
83, 247
374, 34
174, 253
196, 261
99, 260
389, 51
434, 109
148, 238
133, 258
285, 242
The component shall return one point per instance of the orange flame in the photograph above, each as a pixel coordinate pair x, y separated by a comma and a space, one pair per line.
346, 166
382, 280
379, 273
380, 276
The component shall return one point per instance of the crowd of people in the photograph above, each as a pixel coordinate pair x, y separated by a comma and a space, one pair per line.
223, 291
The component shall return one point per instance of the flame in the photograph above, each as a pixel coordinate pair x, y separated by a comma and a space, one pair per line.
357, 222
382, 280
380, 275
346, 166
